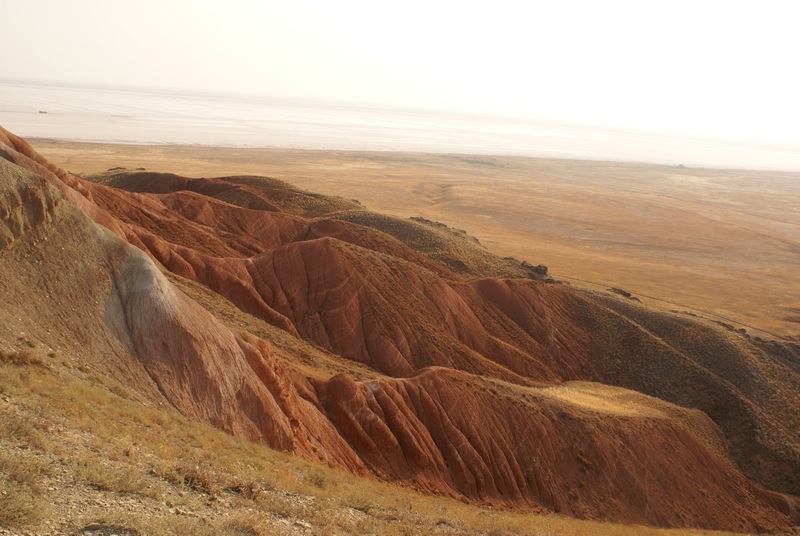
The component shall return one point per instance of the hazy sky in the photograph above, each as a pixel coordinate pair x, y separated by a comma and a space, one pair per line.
726, 68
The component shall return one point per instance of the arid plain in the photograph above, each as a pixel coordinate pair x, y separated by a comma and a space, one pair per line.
722, 244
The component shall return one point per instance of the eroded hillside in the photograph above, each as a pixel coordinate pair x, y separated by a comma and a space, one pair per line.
400, 350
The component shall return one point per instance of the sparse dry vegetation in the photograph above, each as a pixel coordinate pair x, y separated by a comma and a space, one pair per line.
20, 505
190, 476
108, 476
21, 358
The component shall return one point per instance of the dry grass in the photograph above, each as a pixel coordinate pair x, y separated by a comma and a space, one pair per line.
14, 427
22, 359
105, 475
23, 467
248, 524
19, 504
192, 476
22, 500
598, 398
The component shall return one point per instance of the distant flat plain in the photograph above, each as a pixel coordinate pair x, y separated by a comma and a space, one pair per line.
723, 244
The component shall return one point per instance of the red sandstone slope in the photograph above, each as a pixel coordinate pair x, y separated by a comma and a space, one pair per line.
582, 449
79, 288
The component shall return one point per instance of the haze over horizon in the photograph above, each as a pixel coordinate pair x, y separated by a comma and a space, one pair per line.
697, 69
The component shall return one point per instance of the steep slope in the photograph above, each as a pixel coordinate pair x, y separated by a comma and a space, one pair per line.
581, 449
80, 290
466, 397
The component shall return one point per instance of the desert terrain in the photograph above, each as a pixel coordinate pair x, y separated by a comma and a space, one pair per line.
188, 346
722, 244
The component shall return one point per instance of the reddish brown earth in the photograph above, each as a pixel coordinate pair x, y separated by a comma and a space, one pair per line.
720, 243
452, 362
